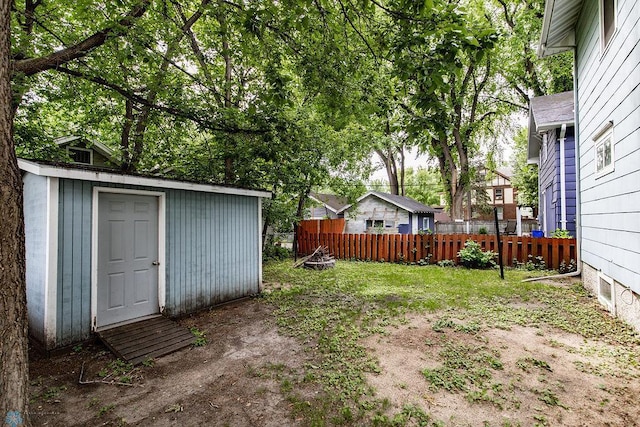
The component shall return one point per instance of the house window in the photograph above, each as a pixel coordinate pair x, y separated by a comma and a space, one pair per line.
500, 213
426, 223
607, 21
80, 155
604, 150
389, 223
498, 194
605, 291
374, 223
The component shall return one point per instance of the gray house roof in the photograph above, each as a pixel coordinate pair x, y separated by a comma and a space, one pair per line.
558, 26
546, 113
331, 201
97, 146
402, 202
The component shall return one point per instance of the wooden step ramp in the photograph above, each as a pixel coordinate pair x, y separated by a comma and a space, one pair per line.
147, 339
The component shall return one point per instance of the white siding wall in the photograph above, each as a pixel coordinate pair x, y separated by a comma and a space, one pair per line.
374, 208
609, 90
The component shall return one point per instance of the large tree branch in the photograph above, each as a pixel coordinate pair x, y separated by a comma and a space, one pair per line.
32, 66
196, 117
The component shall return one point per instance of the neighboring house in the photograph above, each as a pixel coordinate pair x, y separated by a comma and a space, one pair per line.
326, 206
499, 194
83, 152
377, 212
551, 146
605, 38
103, 247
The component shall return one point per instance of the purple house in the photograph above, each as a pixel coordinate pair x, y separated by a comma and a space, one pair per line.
552, 147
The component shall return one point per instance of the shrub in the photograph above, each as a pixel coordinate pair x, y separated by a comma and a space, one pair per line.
568, 268
473, 256
275, 252
482, 230
561, 234
446, 263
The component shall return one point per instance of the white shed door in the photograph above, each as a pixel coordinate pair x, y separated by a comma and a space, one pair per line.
127, 257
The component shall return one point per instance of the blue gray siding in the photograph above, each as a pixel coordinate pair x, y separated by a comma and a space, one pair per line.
212, 253
35, 218
74, 261
609, 90
212, 249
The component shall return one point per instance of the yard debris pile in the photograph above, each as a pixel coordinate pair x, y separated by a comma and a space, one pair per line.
320, 259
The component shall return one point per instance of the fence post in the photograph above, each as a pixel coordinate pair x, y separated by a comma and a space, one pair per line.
495, 215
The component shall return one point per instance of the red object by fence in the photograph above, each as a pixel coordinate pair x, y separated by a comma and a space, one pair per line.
433, 247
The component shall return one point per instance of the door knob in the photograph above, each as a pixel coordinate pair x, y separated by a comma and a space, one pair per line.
155, 263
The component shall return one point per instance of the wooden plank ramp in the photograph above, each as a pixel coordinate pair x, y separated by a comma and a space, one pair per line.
146, 339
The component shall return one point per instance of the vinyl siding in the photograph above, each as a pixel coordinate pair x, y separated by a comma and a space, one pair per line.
548, 180
35, 218
375, 208
609, 90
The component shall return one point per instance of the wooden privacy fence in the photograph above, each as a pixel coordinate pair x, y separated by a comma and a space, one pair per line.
321, 226
435, 247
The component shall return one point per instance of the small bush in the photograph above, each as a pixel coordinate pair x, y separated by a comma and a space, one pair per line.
473, 256
567, 268
532, 264
275, 253
561, 234
446, 263
482, 230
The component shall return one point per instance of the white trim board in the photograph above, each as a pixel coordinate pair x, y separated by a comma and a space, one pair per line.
115, 178
94, 245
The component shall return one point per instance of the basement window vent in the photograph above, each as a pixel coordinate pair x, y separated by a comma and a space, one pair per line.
605, 291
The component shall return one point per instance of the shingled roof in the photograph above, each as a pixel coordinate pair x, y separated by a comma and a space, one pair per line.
331, 201
405, 203
546, 113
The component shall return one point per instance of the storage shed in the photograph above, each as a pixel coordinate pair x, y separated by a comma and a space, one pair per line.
106, 248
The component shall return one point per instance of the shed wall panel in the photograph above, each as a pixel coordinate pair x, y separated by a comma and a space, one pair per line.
74, 262
213, 253
35, 218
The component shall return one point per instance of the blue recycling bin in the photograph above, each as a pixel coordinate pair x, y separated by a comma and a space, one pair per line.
403, 228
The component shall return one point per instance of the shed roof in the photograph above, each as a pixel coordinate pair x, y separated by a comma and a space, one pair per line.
106, 175
558, 26
402, 202
331, 201
546, 113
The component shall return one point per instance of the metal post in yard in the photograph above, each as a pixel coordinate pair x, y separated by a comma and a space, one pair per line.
495, 215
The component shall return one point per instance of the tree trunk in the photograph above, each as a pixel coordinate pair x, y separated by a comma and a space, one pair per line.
389, 162
14, 380
457, 204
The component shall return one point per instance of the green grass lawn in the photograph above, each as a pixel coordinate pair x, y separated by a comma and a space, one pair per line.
331, 311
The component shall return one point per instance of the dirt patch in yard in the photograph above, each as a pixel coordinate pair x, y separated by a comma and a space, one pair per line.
464, 376
232, 380
456, 371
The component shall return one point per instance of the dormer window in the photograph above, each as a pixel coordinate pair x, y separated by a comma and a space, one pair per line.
81, 155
